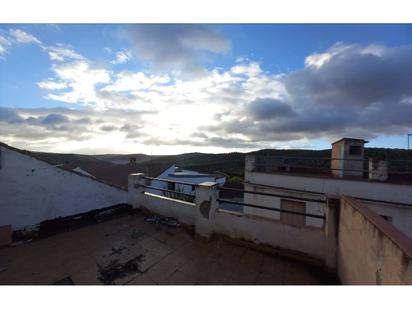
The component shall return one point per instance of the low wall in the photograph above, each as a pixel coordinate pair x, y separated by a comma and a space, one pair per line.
305, 240
180, 210
370, 249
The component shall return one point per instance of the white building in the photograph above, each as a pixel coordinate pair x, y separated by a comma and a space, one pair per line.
176, 174
32, 191
391, 200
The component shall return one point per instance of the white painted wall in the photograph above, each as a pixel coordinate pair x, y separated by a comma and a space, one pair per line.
181, 187
180, 210
266, 231
274, 202
32, 191
402, 216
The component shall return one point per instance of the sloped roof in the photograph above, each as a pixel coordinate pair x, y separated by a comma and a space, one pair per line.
63, 167
118, 175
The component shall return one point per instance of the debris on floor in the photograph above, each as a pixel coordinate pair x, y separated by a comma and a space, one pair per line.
116, 270
118, 250
168, 221
136, 234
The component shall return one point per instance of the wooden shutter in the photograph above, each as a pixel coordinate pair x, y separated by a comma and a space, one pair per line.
293, 219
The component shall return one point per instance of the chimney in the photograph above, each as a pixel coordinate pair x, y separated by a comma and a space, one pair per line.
378, 170
348, 157
132, 160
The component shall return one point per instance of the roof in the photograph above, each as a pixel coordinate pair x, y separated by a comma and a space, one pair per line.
182, 173
351, 139
65, 168
118, 174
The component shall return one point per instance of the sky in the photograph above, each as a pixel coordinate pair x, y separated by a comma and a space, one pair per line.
175, 88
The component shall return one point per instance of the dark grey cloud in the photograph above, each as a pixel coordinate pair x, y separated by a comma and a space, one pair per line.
355, 75
359, 91
24, 125
9, 115
268, 108
108, 128
53, 119
176, 46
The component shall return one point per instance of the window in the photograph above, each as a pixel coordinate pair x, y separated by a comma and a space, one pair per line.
292, 219
171, 186
355, 150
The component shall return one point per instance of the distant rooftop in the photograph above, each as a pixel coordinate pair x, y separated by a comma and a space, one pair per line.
350, 139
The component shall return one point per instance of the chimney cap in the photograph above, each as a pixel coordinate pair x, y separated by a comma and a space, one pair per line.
351, 139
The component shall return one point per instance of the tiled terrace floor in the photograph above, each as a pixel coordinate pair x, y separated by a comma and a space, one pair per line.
166, 255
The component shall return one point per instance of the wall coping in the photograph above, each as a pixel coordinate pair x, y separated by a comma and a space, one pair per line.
266, 219
335, 178
169, 199
395, 235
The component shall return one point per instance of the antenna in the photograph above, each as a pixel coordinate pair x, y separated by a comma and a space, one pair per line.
409, 135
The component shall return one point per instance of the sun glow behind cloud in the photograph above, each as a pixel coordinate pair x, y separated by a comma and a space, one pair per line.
176, 105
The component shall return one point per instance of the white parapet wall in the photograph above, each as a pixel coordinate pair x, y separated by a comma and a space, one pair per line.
271, 232
308, 242
32, 191
400, 216
180, 210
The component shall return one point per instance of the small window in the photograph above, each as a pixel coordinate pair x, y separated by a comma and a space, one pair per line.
171, 186
293, 219
355, 150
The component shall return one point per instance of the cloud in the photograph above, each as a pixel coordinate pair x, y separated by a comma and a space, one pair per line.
122, 56
52, 119
268, 108
61, 52
354, 74
51, 85
359, 91
81, 80
66, 129
174, 46
23, 37
9, 115
4, 45
355, 90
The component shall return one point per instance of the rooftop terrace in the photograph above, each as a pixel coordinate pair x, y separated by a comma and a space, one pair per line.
129, 250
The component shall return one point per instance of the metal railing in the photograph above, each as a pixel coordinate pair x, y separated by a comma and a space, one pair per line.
321, 193
323, 165
273, 209
177, 195
275, 195
297, 198
170, 180
167, 190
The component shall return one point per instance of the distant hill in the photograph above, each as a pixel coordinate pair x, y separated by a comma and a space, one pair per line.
72, 160
230, 163
124, 159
